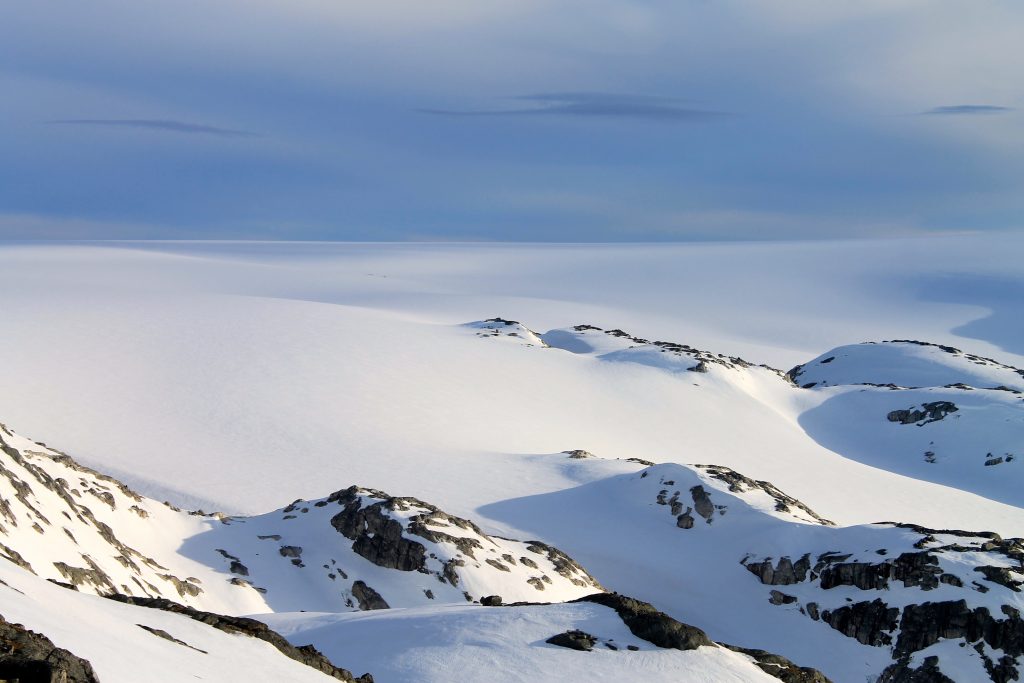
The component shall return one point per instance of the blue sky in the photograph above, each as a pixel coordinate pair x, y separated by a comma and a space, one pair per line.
564, 120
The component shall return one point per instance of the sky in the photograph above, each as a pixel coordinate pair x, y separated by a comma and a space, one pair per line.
518, 120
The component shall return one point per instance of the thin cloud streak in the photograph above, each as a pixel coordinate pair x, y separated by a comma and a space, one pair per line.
165, 125
605, 105
967, 110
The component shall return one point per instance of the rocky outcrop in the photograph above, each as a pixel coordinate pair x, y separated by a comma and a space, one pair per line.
376, 536
574, 640
903, 672
31, 657
912, 569
646, 622
909, 627
742, 484
870, 623
306, 654
785, 573
368, 598
925, 624
929, 412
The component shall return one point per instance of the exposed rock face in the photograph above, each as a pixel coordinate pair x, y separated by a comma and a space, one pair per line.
913, 569
644, 621
702, 503
574, 640
914, 626
31, 657
902, 672
367, 597
871, 623
378, 537
306, 654
926, 624
409, 534
785, 573
929, 412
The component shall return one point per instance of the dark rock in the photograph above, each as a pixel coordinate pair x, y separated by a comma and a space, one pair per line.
1002, 576
378, 538
579, 454
491, 601
574, 640
290, 551
160, 633
780, 667
931, 412
702, 503
901, 672
923, 625
871, 623
780, 598
368, 598
685, 520
306, 654
646, 622
31, 657
785, 573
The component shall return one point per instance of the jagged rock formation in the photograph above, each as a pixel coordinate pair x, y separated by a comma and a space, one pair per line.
31, 657
306, 654
895, 615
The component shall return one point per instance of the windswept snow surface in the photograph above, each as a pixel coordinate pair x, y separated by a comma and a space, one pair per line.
505, 645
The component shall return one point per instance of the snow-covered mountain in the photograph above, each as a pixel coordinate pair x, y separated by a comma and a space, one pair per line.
413, 552
857, 514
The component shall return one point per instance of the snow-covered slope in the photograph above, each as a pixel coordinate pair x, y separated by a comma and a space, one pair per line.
753, 567
394, 553
508, 644
129, 644
906, 363
930, 412
355, 549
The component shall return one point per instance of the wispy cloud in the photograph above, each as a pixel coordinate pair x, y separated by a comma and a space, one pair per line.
589, 104
166, 125
967, 110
